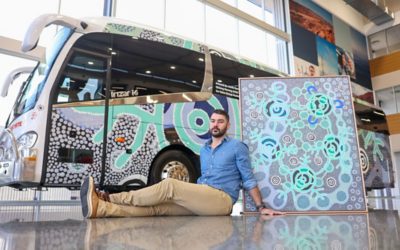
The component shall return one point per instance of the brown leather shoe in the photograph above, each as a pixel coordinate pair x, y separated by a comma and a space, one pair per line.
104, 196
89, 198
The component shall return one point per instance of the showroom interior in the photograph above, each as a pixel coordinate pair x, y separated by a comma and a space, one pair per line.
122, 91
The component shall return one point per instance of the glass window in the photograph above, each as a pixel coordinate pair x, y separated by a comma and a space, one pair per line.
370, 118
34, 85
221, 30
273, 13
393, 38
377, 44
79, 8
143, 67
230, 2
7, 102
185, 18
251, 7
397, 96
73, 155
226, 74
277, 53
252, 42
30, 91
386, 100
83, 78
146, 12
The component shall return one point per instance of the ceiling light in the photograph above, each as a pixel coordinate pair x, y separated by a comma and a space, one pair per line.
194, 81
90, 63
113, 53
148, 72
201, 59
219, 80
366, 120
379, 113
172, 67
251, 76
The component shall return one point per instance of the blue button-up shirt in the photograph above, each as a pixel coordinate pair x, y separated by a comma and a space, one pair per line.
227, 167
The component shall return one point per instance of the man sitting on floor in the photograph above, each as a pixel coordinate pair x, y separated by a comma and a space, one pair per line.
225, 167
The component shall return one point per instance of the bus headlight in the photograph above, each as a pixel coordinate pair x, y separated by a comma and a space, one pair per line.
27, 140
8, 155
8, 150
2, 153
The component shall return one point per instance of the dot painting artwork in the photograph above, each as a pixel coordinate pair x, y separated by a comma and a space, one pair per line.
302, 139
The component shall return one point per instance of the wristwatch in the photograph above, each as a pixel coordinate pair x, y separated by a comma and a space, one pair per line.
261, 206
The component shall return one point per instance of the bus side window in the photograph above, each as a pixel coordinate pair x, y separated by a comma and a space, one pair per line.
83, 79
226, 73
142, 67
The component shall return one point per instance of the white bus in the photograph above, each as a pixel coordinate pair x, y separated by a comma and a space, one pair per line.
124, 104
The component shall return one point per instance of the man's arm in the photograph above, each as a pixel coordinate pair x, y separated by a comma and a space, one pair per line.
256, 195
249, 182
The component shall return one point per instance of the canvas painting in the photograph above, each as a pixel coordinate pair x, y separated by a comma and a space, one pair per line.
302, 139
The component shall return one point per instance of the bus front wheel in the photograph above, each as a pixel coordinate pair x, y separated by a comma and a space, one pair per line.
173, 164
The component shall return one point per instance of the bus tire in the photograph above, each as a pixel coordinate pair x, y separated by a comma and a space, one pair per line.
173, 164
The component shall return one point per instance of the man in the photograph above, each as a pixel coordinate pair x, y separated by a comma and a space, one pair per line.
225, 167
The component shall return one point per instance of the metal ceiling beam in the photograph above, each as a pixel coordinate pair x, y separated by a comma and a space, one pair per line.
375, 10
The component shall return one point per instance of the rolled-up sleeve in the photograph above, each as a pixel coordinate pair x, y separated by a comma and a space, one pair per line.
244, 167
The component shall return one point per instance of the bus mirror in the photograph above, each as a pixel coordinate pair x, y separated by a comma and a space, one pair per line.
35, 29
10, 78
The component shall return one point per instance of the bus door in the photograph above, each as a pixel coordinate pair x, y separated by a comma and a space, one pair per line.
77, 128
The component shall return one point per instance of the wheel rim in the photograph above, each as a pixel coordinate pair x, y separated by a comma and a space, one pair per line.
176, 170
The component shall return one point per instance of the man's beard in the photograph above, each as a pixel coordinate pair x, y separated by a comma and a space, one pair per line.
217, 133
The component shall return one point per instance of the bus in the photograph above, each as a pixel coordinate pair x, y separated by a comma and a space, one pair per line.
128, 105
374, 145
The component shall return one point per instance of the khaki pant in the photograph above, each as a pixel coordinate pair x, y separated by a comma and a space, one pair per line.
193, 232
169, 197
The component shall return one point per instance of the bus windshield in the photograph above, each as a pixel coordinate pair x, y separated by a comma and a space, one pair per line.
370, 118
31, 89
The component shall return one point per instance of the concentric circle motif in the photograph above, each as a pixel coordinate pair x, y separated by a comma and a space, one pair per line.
320, 105
260, 95
303, 179
331, 182
364, 161
276, 180
311, 137
293, 161
332, 147
269, 148
276, 109
254, 114
287, 139
318, 160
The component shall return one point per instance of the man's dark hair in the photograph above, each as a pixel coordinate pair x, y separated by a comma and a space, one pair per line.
221, 112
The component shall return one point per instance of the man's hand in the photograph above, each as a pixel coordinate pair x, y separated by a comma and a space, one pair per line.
270, 212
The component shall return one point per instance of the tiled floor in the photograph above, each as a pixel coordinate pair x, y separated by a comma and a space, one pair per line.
64, 228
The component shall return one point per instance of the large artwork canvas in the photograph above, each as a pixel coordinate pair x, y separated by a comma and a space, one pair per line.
302, 139
309, 232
